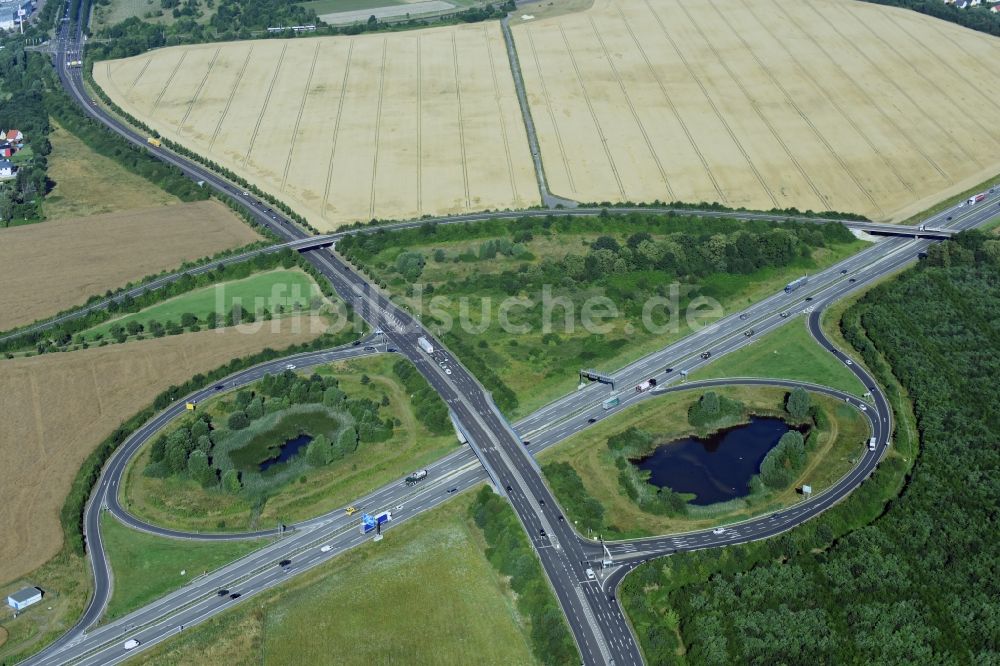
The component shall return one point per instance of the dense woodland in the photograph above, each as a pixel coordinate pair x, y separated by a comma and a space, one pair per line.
875, 580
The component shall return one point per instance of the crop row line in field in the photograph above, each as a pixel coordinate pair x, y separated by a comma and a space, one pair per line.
631, 108
267, 99
822, 198
831, 100
858, 88
711, 103
461, 121
670, 102
789, 99
378, 127
503, 125
959, 112
336, 131
166, 84
197, 92
229, 99
956, 73
593, 113
891, 82
420, 129
548, 108
298, 117
138, 76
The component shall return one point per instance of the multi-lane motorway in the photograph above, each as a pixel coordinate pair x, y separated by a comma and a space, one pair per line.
496, 451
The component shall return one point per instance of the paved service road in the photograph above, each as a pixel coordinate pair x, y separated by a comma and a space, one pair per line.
496, 451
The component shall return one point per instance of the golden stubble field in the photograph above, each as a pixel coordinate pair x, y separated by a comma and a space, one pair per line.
46, 268
345, 128
817, 104
58, 407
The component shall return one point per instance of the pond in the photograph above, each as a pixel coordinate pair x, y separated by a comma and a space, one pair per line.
717, 468
287, 451
282, 440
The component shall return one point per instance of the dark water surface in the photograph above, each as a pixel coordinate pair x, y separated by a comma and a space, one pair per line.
717, 468
287, 451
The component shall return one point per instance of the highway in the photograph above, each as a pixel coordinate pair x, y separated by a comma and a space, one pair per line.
598, 625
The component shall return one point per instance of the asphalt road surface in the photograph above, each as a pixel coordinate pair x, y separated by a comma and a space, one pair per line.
597, 623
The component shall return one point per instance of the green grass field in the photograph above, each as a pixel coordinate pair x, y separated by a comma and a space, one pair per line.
181, 503
146, 567
286, 289
540, 368
424, 595
666, 416
786, 353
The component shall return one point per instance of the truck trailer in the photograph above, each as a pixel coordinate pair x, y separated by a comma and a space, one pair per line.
610, 402
795, 284
976, 198
425, 344
419, 475
646, 385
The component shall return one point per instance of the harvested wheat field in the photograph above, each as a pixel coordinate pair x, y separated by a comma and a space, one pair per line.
59, 407
345, 128
817, 104
46, 268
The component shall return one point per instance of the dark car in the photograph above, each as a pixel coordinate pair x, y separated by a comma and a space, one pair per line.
453, 490
669, 370
509, 489
706, 354
744, 316
526, 442
748, 333
218, 387
591, 420
784, 315
541, 501
284, 563
235, 595
808, 298
561, 519
843, 272
222, 593
356, 343
369, 348
852, 280
542, 531
391, 350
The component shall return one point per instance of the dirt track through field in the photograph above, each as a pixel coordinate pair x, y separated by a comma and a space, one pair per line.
346, 128
820, 104
49, 267
58, 407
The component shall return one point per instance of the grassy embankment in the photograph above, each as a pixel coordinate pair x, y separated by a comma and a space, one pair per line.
539, 368
146, 567
182, 503
87, 183
426, 594
279, 291
786, 353
666, 416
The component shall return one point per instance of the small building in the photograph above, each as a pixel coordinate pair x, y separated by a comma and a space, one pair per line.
24, 598
6, 169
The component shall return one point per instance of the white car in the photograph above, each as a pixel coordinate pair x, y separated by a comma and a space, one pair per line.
850, 362
590, 574
863, 408
326, 549
447, 371
290, 366
131, 644
719, 530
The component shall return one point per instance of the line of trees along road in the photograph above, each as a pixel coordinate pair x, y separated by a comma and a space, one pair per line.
911, 581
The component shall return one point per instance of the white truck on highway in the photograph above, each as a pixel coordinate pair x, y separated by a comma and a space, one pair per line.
419, 475
976, 198
646, 385
425, 344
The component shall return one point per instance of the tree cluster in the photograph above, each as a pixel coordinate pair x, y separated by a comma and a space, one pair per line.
510, 553
879, 578
711, 409
427, 405
976, 18
566, 484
